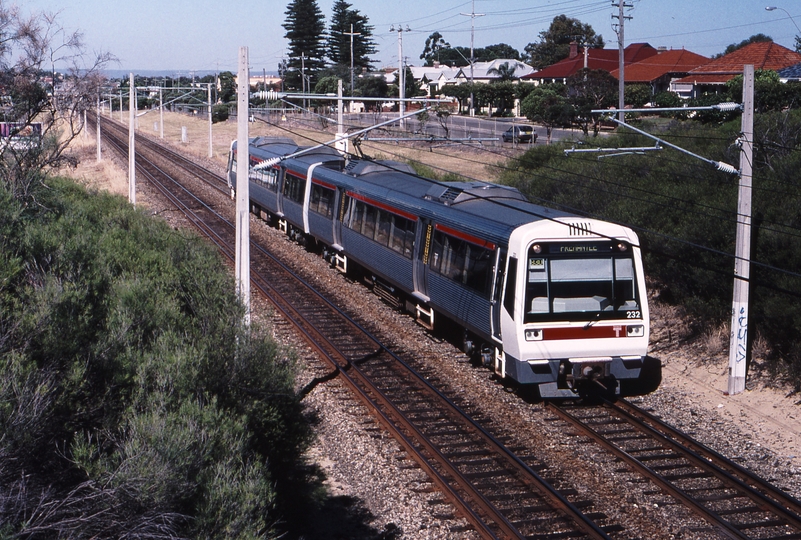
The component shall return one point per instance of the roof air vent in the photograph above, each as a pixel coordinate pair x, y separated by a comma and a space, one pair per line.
580, 229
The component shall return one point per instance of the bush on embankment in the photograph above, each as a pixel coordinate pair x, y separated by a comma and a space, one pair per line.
133, 402
684, 211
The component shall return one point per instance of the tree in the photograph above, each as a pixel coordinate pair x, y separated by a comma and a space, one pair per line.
501, 94
434, 44
345, 21
305, 30
638, 95
590, 89
500, 51
411, 87
554, 44
43, 108
547, 105
227, 87
756, 38
371, 86
505, 72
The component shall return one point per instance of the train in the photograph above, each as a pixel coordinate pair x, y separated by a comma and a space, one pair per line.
550, 301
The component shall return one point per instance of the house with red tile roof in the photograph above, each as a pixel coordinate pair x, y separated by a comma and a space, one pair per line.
661, 69
606, 59
713, 76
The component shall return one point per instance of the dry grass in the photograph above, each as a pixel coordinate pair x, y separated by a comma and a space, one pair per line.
471, 162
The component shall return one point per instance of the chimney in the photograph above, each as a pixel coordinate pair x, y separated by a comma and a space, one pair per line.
573, 49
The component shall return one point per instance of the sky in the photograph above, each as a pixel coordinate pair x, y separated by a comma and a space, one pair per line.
186, 36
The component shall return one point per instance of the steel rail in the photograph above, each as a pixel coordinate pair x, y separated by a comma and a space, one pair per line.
777, 501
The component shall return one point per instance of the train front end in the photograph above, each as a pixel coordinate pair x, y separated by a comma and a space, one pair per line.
575, 313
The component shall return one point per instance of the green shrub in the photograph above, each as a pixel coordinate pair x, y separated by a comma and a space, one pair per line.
131, 395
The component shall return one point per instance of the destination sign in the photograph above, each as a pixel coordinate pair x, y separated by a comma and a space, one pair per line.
577, 248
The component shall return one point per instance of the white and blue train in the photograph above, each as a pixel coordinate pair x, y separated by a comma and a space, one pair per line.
544, 298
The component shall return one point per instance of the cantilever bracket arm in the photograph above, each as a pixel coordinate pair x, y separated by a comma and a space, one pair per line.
608, 152
719, 165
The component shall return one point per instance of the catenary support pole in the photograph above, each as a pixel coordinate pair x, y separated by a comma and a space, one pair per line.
342, 142
621, 44
161, 112
97, 128
211, 148
738, 344
242, 186
131, 142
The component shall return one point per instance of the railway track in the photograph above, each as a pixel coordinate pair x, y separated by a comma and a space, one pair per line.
735, 502
500, 494
492, 488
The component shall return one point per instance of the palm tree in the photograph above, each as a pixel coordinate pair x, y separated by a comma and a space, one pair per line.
503, 71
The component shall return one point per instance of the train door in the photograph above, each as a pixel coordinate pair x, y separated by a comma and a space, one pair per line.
423, 313
499, 271
339, 214
279, 193
307, 195
422, 249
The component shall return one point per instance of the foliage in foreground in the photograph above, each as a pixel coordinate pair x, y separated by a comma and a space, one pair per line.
132, 401
684, 212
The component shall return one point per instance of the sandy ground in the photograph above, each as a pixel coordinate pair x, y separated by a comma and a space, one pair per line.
697, 369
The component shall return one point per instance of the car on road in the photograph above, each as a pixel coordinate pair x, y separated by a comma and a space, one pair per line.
523, 134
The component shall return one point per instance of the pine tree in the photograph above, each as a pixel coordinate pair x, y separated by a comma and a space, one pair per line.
305, 30
344, 21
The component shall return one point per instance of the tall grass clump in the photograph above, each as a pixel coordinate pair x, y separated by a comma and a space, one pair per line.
133, 401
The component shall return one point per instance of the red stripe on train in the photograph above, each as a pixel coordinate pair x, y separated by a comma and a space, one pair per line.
581, 332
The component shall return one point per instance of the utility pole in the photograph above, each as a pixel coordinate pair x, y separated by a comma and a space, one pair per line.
211, 149
472, 16
401, 73
621, 84
131, 141
303, 76
161, 112
351, 34
342, 142
97, 117
242, 256
738, 343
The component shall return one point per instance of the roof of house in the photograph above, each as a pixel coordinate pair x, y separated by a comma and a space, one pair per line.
791, 72
481, 71
762, 55
606, 59
677, 61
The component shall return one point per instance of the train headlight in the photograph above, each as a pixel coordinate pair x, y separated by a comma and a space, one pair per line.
622, 246
533, 334
636, 330
536, 248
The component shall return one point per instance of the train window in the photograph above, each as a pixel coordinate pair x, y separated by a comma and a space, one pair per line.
294, 188
382, 226
509, 294
322, 200
402, 235
461, 261
597, 287
267, 178
368, 224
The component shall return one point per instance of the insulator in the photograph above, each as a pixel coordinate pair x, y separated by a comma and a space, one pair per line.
725, 167
727, 106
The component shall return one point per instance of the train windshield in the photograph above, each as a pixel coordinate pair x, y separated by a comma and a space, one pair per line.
587, 281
